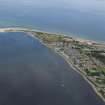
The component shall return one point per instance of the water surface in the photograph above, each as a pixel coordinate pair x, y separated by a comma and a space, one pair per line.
80, 18
31, 74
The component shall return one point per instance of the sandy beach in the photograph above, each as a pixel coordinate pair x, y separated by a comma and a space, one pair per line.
82, 40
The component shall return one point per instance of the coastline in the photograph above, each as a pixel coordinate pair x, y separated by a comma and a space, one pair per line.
81, 74
20, 29
64, 56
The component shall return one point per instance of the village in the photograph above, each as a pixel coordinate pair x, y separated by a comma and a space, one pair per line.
87, 57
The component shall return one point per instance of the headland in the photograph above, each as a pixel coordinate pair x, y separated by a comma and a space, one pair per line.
87, 57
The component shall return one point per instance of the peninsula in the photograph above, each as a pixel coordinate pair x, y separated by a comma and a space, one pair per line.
85, 56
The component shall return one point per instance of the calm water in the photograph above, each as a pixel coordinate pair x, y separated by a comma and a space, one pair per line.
83, 18
31, 74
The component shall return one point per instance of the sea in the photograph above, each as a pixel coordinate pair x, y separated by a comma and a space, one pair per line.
77, 18
32, 74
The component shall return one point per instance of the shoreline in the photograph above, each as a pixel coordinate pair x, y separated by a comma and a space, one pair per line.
71, 65
81, 74
20, 29
63, 55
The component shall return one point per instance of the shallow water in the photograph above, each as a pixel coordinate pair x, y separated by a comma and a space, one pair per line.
31, 74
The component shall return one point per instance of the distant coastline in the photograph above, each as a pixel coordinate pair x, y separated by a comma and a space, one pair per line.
20, 29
